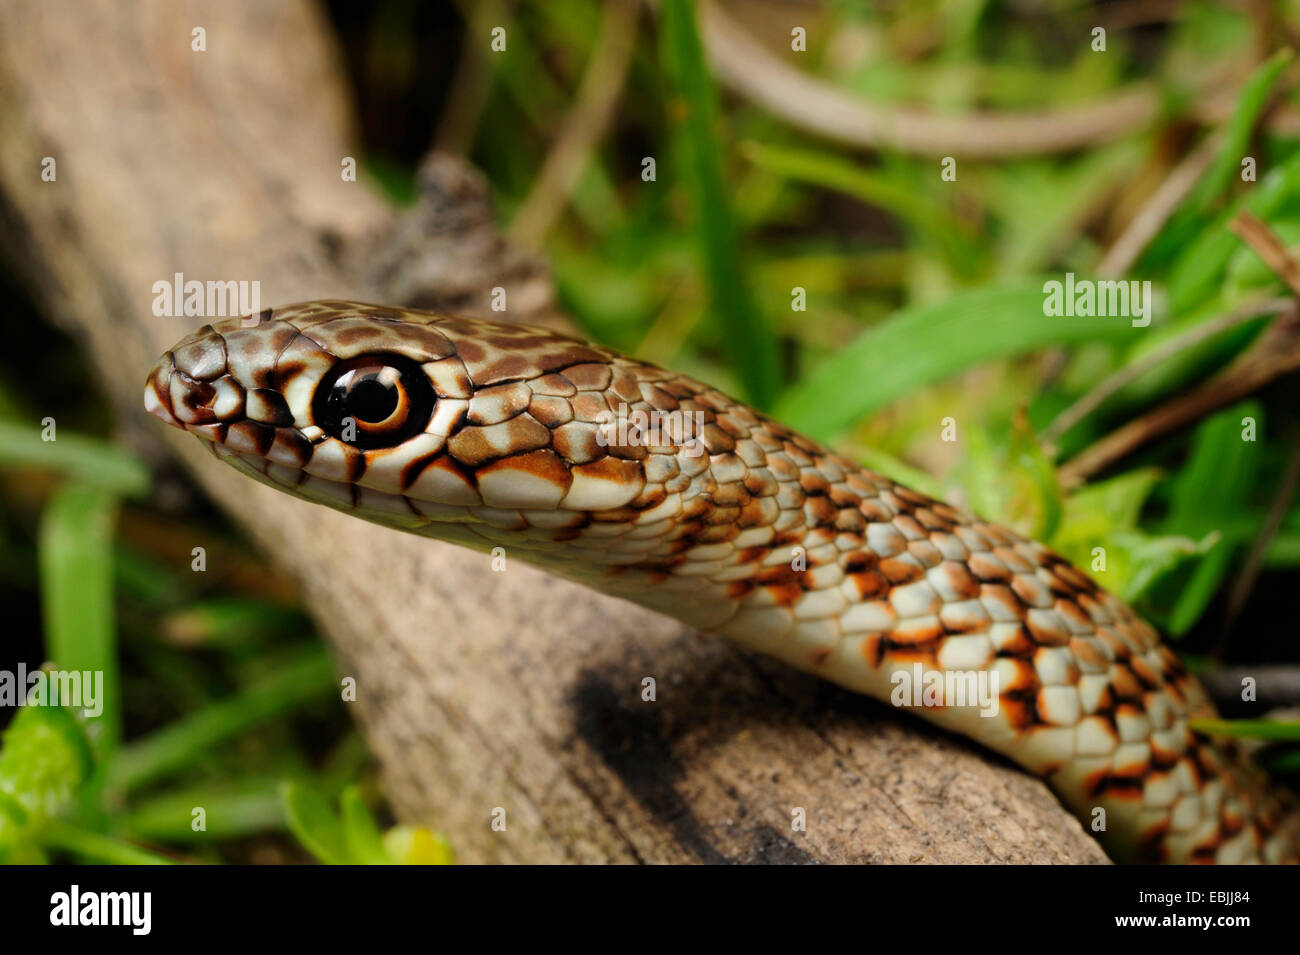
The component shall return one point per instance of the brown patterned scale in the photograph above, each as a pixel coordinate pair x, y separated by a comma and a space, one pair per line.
653, 487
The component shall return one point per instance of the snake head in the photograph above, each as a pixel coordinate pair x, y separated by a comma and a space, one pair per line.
408, 418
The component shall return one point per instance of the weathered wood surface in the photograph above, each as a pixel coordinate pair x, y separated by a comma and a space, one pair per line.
476, 689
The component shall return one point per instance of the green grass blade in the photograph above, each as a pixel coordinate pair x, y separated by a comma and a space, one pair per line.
182, 743
1212, 488
751, 343
1240, 129
232, 810
1197, 273
1227, 162
1275, 730
924, 344
87, 460
95, 847
314, 824
76, 575
840, 175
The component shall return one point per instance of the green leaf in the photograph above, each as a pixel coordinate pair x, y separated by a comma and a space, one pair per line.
1198, 271
1211, 490
751, 343
365, 844
918, 346
87, 460
314, 824
1105, 515
76, 575
45, 758
1014, 484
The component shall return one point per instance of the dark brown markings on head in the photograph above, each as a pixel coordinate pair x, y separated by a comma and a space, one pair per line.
251, 434
291, 440
545, 463
197, 398
414, 468
356, 334
510, 366
382, 313
354, 463
286, 371
470, 351
277, 408
254, 345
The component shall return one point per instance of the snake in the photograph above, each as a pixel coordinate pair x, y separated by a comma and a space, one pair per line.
653, 487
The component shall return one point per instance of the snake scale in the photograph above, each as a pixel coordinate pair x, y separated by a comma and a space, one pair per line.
648, 485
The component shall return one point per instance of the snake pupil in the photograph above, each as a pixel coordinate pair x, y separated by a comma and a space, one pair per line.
369, 399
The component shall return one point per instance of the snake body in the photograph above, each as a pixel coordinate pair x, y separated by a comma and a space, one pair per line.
651, 486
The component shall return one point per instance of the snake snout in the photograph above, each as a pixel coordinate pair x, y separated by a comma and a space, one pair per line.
187, 386
157, 391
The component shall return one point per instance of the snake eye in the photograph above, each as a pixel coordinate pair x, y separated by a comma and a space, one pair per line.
386, 397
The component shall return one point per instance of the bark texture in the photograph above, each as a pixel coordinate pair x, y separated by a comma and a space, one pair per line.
476, 690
